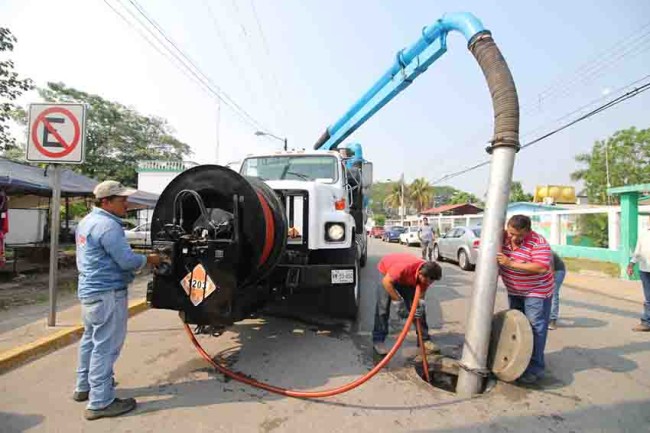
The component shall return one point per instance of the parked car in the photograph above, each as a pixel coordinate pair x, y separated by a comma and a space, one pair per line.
459, 244
377, 232
139, 235
410, 237
392, 233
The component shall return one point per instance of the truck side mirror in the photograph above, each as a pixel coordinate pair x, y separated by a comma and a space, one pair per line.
366, 174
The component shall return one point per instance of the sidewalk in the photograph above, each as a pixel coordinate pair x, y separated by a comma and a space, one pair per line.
609, 287
20, 344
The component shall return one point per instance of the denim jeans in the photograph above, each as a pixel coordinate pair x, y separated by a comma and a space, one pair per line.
104, 317
555, 306
427, 249
537, 310
382, 311
645, 281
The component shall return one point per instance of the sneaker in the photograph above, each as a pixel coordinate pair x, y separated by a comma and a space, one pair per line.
380, 348
641, 327
552, 325
81, 396
116, 408
430, 346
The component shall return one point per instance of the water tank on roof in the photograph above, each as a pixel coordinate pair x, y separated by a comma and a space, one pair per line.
561, 194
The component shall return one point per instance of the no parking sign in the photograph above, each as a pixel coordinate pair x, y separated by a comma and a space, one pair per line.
56, 133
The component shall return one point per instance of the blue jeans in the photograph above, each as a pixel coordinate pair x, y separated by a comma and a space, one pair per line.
537, 310
555, 306
645, 281
382, 311
104, 317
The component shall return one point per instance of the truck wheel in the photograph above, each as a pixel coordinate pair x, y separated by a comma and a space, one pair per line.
364, 258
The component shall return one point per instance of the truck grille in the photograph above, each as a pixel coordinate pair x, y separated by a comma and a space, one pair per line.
296, 205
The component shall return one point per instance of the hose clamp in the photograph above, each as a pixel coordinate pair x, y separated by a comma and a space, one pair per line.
502, 142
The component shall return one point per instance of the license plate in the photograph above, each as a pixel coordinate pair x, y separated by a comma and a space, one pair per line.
342, 276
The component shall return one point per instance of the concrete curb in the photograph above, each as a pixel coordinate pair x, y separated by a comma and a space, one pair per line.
21, 355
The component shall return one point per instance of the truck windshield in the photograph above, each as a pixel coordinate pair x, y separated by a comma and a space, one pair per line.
323, 168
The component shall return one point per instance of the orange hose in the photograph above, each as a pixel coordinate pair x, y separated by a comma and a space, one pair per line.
310, 394
425, 362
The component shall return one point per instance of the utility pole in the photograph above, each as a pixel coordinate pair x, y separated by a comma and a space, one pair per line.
609, 185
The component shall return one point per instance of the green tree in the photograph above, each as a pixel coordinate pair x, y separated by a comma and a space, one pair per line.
117, 137
394, 198
626, 155
463, 197
11, 87
420, 193
517, 193
380, 220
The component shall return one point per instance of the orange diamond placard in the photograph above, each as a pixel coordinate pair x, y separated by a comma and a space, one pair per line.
198, 284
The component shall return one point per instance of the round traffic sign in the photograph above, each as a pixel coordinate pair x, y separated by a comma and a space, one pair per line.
67, 147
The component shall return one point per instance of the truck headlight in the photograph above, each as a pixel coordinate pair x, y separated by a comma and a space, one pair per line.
334, 232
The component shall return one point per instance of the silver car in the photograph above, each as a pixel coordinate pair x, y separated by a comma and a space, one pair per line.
459, 244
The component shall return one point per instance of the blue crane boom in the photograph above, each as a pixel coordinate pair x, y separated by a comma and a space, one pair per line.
409, 64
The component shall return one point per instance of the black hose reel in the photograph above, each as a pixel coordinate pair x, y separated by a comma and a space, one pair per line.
219, 234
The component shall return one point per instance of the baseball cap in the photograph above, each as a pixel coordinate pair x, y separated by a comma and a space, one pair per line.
110, 188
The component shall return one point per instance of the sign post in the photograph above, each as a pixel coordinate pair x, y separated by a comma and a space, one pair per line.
55, 212
56, 135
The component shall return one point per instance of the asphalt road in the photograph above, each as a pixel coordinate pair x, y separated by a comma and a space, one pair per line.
597, 375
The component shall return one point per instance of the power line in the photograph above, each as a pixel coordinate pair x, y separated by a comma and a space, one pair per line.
182, 58
635, 92
632, 44
218, 92
267, 51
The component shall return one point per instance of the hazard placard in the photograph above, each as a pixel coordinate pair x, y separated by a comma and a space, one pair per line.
198, 285
56, 133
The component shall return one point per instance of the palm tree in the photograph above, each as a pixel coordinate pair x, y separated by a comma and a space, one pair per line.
394, 198
420, 193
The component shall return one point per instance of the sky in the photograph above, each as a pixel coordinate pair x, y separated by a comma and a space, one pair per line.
296, 66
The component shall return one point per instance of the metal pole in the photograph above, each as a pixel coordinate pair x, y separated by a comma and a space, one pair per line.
285, 144
477, 336
55, 222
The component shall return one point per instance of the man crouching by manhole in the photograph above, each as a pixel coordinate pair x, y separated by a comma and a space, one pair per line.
401, 274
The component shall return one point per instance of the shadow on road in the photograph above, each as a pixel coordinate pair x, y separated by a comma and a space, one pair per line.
14, 422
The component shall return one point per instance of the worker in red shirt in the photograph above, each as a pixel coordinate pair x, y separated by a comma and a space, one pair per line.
401, 274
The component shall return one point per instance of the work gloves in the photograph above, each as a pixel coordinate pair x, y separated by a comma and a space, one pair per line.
398, 309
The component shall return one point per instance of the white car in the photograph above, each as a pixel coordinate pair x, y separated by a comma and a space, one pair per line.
139, 235
410, 236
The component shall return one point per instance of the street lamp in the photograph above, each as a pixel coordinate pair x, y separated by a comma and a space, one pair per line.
268, 134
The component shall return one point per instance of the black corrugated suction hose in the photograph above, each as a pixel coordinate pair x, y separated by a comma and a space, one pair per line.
502, 88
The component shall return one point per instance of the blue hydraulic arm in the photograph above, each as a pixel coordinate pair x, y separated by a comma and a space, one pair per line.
409, 64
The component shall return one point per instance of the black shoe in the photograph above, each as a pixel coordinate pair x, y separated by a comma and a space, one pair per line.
81, 396
117, 408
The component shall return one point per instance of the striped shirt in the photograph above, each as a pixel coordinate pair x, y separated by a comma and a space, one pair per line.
534, 249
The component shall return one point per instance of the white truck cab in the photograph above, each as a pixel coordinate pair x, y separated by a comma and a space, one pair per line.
326, 240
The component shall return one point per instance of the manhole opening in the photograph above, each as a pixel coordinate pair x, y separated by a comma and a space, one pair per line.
445, 381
